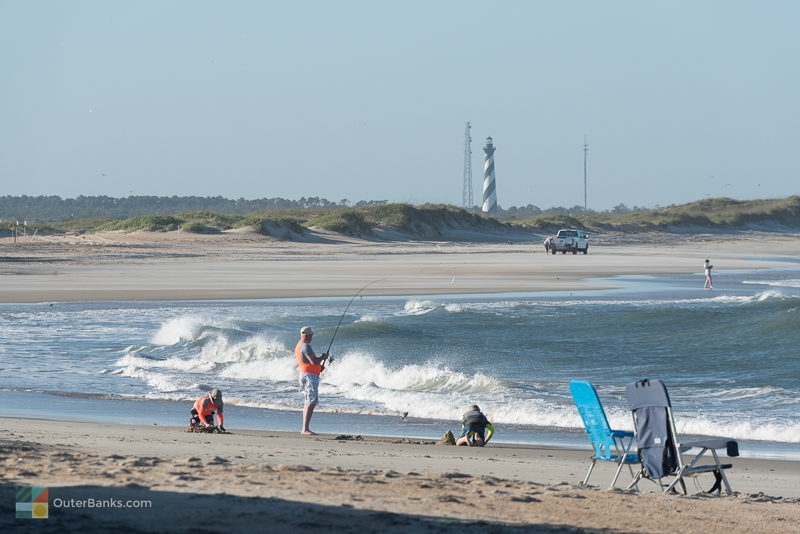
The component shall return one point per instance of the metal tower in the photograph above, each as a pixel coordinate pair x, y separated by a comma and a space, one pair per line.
585, 157
489, 193
466, 200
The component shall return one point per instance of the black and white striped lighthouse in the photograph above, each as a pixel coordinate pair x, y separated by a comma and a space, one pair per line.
489, 193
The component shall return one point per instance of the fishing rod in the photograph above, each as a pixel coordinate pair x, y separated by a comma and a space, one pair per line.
328, 352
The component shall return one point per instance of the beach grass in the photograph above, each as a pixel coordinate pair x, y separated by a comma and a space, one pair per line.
348, 221
148, 223
709, 213
426, 219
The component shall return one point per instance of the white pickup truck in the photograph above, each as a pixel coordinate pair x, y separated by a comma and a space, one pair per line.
567, 240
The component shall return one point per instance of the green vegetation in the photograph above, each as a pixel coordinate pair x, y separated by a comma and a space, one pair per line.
709, 213
210, 218
276, 225
432, 219
720, 212
419, 220
344, 221
74, 225
198, 228
553, 222
147, 223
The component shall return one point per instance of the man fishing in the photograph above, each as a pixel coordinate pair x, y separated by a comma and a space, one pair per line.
311, 365
310, 368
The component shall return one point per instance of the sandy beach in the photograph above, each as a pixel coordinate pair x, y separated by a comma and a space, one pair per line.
181, 266
282, 482
249, 480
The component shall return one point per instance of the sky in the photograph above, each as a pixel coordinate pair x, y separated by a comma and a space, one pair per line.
367, 100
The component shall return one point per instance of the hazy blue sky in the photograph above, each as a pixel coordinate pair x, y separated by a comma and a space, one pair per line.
368, 99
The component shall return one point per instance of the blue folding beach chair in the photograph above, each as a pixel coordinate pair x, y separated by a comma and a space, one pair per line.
659, 448
609, 445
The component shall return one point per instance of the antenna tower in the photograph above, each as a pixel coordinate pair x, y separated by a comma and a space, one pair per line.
466, 199
585, 157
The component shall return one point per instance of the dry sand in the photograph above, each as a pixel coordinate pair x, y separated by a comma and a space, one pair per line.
279, 482
274, 482
239, 265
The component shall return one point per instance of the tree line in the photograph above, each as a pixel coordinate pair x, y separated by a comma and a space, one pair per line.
55, 208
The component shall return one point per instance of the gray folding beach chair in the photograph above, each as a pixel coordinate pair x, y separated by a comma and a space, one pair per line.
660, 450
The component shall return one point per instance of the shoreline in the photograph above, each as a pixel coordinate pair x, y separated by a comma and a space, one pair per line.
161, 267
111, 409
244, 478
428, 457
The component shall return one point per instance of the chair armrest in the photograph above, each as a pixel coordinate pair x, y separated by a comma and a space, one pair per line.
621, 434
705, 469
731, 446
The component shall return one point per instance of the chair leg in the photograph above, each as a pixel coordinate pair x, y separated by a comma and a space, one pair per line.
721, 474
616, 475
717, 487
678, 478
727, 484
591, 467
633, 476
635, 482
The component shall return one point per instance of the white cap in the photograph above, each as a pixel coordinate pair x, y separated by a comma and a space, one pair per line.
306, 330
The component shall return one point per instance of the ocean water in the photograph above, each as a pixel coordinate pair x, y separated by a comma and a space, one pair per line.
729, 356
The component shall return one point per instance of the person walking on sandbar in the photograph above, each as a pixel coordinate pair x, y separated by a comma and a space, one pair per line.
707, 269
310, 368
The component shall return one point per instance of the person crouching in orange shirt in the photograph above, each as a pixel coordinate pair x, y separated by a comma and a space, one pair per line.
202, 413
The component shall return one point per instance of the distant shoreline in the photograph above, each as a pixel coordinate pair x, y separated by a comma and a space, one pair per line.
184, 266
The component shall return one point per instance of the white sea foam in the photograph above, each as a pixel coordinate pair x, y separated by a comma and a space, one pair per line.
215, 353
701, 425
280, 369
500, 408
723, 299
788, 432
359, 368
433, 391
417, 307
158, 381
792, 282
250, 403
174, 363
185, 328
454, 308
220, 350
758, 297
368, 318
